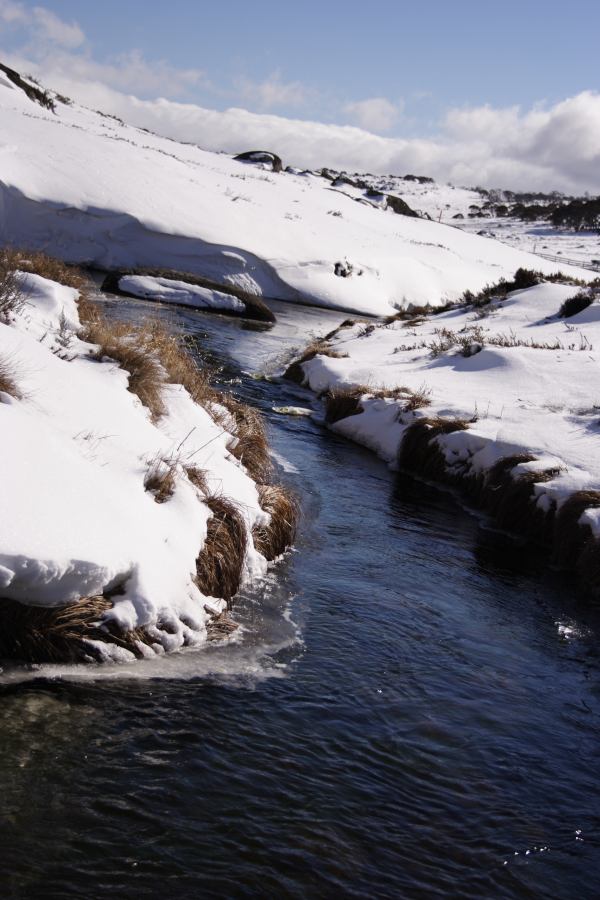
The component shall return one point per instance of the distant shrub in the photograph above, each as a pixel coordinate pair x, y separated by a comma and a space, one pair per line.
526, 278
576, 304
12, 298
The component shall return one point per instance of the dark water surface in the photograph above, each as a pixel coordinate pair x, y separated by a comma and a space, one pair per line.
412, 710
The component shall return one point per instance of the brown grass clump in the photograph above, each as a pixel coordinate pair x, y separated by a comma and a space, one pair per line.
419, 451
512, 498
220, 562
273, 539
347, 323
418, 399
569, 536
8, 384
12, 298
198, 478
219, 627
295, 372
160, 479
340, 403
38, 634
252, 447
132, 349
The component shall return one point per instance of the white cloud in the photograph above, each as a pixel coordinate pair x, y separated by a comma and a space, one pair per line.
541, 149
375, 114
58, 49
544, 148
272, 92
41, 24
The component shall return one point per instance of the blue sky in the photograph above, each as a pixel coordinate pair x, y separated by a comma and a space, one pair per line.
322, 57
499, 93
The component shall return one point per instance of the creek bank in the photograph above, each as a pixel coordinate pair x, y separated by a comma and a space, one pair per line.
137, 498
497, 397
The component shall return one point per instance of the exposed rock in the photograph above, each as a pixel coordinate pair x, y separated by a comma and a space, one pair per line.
261, 156
401, 207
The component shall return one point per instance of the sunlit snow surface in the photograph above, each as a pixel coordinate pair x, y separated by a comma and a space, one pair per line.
87, 188
77, 518
530, 386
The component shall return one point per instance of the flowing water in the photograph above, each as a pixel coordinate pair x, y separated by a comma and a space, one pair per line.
412, 708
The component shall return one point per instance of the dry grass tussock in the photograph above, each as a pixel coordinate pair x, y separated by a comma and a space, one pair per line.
251, 446
342, 402
132, 348
219, 564
273, 539
8, 381
510, 497
198, 478
160, 478
570, 536
319, 347
12, 297
38, 634
419, 451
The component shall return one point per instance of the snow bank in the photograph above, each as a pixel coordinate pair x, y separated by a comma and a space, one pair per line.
75, 454
166, 290
89, 189
523, 380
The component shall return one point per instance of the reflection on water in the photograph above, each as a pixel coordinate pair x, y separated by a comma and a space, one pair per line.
411, 709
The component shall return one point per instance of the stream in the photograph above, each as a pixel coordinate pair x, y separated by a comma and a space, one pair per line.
410, 710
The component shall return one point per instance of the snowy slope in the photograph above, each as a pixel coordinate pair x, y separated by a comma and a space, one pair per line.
528, 384
90, 189
446, 203
77, 447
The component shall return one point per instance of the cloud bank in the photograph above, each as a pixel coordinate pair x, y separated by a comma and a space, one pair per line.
548, 147
554, 148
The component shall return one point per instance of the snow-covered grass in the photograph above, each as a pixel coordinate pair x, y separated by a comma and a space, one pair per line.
507, 404
141, 201
129, 485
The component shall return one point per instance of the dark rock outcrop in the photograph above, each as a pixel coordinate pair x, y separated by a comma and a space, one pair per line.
261, 156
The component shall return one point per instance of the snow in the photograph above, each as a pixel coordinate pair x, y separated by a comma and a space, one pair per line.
89, 189
517, 399
167, 290
77, 520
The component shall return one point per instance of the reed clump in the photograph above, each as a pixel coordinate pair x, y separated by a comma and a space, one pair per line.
273, 539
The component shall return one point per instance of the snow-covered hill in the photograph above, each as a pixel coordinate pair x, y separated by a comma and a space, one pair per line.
90, 189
